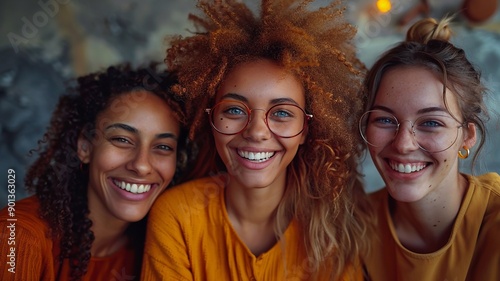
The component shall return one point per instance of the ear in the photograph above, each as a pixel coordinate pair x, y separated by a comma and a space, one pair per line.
470, 135
83, 149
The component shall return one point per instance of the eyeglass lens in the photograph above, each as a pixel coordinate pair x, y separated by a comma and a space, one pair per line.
433, 133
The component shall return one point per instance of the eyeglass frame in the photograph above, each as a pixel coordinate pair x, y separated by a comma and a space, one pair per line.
209, 111
412, 123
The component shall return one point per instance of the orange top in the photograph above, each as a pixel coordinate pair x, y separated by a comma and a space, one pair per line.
190, 237
29, 253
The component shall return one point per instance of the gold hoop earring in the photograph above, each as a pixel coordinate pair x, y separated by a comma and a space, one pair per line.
465, 154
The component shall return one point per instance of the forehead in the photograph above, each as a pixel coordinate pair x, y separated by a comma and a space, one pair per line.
142, 109
262, 79
412, 88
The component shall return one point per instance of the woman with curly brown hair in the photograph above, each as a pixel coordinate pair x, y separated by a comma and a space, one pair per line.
425, 112
274, 101
109, 152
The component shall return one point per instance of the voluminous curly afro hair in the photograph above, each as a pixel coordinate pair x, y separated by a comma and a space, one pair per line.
324, 191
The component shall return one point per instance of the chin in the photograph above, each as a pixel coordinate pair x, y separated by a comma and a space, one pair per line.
133, 216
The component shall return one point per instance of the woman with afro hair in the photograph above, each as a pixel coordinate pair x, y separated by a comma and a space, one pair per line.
110, 151
274, 100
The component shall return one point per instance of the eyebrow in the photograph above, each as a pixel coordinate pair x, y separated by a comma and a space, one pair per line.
244, 99
420, 111
135, 131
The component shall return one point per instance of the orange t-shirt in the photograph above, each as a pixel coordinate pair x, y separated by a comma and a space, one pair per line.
29, 253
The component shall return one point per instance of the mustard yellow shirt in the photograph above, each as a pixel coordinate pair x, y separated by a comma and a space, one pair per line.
190, 237
472, 252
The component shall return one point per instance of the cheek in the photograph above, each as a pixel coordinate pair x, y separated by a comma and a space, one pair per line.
106, 159
166, 168
372, 150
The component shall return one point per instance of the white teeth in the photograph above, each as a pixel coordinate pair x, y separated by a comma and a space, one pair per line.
133, 187
407, 168
256, 156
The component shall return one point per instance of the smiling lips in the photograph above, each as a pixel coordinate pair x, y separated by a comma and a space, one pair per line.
132, 187
408, 167
256, 156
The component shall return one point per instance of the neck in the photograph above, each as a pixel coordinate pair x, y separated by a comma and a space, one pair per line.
256, 206
252, 213
109, 235
425, 226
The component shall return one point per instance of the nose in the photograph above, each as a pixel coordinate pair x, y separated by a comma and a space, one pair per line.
404, 141
257, 128
140, 162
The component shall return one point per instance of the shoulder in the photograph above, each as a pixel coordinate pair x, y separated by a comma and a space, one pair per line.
188, 197
27, 236
488, 189
25, 213
486, 183
193, 190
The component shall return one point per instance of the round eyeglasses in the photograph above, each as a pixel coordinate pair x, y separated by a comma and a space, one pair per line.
232, 117
432, 133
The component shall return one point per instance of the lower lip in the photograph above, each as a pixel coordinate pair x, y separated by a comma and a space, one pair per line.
129, 195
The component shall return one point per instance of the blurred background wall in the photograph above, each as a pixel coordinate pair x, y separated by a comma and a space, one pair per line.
46, 42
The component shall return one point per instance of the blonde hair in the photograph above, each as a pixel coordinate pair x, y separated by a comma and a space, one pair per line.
323, 192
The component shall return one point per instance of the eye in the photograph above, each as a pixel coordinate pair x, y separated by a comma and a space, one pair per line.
285, 112
120, 140
282, 114
434, 123
165, 147
385, 121
431, 123
234, 111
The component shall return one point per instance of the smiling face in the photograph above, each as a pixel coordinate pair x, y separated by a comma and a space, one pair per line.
256, 157
132, 157
409, 172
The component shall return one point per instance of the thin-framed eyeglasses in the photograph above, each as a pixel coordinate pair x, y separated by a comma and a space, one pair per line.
431, 132
285, 120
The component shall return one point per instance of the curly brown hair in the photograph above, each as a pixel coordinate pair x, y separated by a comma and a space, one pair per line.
60, 179
324, 190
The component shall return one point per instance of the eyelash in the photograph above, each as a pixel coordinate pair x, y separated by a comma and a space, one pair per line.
120, 139
166, 146
163, 147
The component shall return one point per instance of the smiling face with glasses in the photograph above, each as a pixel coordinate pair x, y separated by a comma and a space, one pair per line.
413, 136
258, 123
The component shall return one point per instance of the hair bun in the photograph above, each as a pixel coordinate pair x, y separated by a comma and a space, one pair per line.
428, 29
